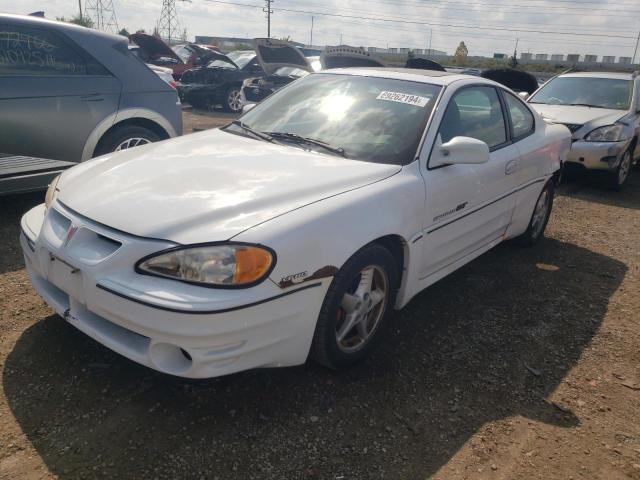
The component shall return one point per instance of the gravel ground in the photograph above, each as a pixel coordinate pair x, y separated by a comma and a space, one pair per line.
523, 364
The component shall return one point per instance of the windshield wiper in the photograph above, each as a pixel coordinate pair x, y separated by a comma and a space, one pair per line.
312, 141
583, 105
261, 135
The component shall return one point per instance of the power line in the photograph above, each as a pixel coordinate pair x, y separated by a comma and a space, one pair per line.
103, 15
414, 22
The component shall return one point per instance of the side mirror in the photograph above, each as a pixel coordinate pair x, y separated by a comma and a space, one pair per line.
523, 95
459, 150
248, 106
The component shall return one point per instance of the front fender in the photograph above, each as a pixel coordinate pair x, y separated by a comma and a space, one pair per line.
316, 240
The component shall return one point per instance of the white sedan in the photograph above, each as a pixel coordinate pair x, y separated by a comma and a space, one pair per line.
296, 230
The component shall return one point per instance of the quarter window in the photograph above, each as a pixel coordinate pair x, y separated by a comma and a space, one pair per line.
34, 51
521, 118
475, 112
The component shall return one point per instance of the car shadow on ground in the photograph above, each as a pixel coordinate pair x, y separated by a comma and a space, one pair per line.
490, 341
590, 186
12, 207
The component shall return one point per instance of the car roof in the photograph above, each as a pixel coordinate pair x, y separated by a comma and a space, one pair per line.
67, 27
611, 75
412, 74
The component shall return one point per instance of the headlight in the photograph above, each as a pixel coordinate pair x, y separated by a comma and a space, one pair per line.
225, 265
609, 133
51, 192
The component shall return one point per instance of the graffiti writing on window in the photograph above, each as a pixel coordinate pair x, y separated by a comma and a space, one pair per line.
33, 52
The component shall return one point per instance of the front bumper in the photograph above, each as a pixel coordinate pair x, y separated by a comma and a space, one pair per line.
597, 155
169, 326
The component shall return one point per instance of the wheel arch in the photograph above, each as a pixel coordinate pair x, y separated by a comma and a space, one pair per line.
399, 248
117, 119
137, 122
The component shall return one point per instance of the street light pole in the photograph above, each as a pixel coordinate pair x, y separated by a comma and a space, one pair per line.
311, 37
635, 52
268, 11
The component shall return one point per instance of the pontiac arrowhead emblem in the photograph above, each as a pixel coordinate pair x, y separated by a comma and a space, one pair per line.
70, 233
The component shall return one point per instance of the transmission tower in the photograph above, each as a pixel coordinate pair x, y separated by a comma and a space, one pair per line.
168, 24
103, 15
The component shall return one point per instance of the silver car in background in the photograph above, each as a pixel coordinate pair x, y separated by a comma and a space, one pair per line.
68, 94
602, 112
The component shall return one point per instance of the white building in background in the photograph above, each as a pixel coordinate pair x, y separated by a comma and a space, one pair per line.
557, 57
591, 58
542, 56
526, 56
608, 59
573, 57
624, 60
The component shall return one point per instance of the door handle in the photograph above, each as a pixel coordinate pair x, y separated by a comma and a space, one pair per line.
95, 97
511, 167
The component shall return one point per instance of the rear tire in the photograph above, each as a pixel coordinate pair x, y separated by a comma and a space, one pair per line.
540, 216
125, 137
356, 308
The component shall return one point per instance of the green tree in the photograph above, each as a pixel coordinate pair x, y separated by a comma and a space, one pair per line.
124, 32
460, 57
83, 20
411, 54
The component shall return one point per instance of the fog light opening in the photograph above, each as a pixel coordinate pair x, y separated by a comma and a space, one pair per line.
170, 358
186, 354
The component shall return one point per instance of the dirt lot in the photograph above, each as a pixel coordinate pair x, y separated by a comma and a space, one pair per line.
524, 364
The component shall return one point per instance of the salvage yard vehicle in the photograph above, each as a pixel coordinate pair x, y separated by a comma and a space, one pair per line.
179, 58
282, 63
219, 82
602, 110
69, 93
297, 229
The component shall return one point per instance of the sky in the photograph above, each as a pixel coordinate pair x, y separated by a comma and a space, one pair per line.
605, 27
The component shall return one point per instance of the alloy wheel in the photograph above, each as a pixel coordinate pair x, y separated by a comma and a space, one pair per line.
624, 168
540, 213
132, 142
235, 100
361, 309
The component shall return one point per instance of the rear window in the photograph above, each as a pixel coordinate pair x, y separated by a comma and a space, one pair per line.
38, 52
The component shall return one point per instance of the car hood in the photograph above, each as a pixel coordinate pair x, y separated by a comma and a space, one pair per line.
273, 54
577, 115
207, 186
154, 47
344, 56
516, 80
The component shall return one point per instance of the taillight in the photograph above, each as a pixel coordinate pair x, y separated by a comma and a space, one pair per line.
173, 84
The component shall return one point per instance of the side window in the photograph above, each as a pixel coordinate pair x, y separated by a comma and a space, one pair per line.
34, 51
522, 120
475, 112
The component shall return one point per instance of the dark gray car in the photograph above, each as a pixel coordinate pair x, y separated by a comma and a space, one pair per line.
69, 93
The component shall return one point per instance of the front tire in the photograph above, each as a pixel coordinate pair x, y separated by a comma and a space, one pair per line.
540, 216
618, 178
356, 308
125, 137
233, 100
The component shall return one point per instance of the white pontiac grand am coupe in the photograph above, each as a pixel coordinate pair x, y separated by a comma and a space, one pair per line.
296, 230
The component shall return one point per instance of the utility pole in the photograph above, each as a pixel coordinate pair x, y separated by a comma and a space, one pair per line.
635, 52
103, 15
430, 37
267, 9
80, 7
311, 36
340, 38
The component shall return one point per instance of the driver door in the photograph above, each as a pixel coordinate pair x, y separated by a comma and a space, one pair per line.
469, 207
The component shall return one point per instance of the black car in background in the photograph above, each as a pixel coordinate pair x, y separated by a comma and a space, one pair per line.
255, 90
219, 81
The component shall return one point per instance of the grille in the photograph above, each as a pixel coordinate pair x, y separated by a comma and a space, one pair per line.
572, 126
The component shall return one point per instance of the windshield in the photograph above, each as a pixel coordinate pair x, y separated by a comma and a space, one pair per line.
589, 91
240, 58
373, 119
183, 52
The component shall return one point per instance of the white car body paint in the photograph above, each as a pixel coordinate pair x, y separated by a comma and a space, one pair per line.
314, 210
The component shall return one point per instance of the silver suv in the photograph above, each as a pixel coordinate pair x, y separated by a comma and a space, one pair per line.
602, 110
68, 94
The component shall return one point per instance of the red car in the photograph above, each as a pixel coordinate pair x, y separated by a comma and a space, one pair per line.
178, 58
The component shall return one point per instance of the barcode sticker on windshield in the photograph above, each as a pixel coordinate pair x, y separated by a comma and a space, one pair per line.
404, 98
